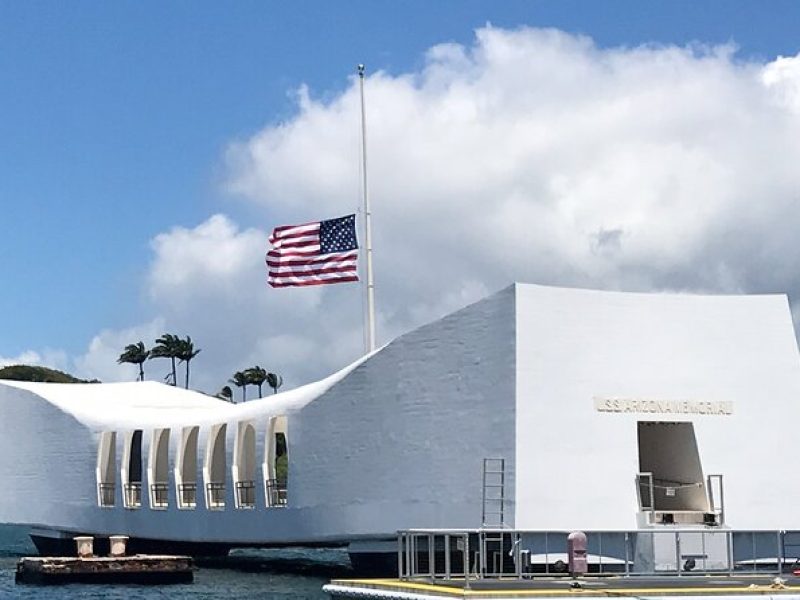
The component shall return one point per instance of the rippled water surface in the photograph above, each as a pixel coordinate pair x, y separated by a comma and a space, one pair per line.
286, 574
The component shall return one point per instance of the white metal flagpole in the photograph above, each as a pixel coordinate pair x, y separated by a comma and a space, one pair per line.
370, 341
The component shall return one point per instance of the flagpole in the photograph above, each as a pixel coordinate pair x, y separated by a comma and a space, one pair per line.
370, 341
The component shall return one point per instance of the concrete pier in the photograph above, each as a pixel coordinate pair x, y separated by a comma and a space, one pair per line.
140, 569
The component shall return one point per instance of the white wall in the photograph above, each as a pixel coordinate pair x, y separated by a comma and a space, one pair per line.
576, 466
48, 461
399, 443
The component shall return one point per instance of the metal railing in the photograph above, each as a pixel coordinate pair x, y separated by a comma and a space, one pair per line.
433, 554
653, 495
159, 495
106, 494
187, 495
132, 493
276, 492
245, 494
215, 495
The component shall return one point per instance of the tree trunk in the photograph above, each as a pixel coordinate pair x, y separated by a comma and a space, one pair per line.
174, 377
187, 374
244, 393
259, 390
141, 371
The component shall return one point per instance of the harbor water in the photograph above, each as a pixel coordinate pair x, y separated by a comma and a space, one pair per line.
287, 574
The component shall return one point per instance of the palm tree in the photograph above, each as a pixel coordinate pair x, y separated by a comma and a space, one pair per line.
167, 347
226, 393
240, 380
135, 354
274, 381
256, 376
185, 352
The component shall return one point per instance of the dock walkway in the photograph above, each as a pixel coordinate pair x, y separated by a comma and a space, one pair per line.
687, 588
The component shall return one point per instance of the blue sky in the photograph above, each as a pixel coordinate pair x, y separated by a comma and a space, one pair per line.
115, 118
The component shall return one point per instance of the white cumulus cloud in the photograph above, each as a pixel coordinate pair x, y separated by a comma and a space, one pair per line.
535, 155
529, 155
54, 359
100, 359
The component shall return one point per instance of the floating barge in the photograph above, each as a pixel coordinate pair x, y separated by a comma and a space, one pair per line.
153, 570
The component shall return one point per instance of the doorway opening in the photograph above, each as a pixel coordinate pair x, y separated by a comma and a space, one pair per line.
276, 462
158, 469
214, 468
244, 466
132, 470
670, 484
107, 468
186, 468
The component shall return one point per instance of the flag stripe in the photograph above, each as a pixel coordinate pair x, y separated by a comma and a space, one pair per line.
296, 237
284, 242
320, 276
306, 260
305, 243
312, 270
316, 277
310, 281
293, 230
294, 252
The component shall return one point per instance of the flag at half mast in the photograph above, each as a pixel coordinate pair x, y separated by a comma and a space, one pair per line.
314, 253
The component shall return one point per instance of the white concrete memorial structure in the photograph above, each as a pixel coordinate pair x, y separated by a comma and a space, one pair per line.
610, 411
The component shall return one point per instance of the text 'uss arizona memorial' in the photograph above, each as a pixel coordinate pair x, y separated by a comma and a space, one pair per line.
644, 405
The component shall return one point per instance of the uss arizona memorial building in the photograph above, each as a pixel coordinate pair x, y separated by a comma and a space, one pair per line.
609, 410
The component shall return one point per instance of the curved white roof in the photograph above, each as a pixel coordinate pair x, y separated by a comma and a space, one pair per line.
135, 405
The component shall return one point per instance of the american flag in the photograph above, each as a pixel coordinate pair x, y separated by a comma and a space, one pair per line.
314, 253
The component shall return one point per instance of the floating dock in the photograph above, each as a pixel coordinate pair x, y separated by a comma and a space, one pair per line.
706, 563
141, 569
686, 588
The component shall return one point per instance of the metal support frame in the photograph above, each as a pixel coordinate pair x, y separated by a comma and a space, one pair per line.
717, 509
651, 497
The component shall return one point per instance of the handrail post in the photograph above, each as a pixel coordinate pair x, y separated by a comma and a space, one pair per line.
431, 557
467, 561
652, 500
546, 555
627, 554
409, 570
447, 556
730, 552
400, 555
600, 551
